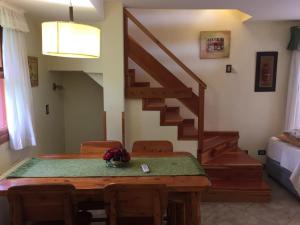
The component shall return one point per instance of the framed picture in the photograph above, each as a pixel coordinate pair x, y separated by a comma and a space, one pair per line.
266, 69
33, 71
214, 44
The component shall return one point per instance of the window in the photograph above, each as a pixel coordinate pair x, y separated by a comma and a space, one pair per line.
3, 124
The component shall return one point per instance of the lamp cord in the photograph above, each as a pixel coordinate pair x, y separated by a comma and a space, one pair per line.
71, 12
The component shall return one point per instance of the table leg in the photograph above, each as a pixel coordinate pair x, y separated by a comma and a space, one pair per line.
192, 209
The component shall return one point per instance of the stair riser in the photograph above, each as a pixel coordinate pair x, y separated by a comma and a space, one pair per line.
146, 108
235, 173
216, 195
166, 123
141, 85
163, 117
158, 105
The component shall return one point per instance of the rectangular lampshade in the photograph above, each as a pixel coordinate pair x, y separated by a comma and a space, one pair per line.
69, 39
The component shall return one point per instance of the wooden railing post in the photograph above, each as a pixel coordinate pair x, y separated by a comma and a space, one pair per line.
200, 123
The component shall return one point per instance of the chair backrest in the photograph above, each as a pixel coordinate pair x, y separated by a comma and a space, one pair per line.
152, 146
95, 147
41, 203
135, 201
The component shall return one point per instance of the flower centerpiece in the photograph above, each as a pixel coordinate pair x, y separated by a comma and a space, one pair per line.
116, 157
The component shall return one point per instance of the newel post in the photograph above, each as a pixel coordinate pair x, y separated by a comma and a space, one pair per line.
200, 122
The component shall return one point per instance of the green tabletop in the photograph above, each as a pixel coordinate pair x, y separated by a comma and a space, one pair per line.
160, 166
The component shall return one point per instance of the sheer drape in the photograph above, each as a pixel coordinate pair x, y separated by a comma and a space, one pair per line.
17, 90
292, 120
17, 82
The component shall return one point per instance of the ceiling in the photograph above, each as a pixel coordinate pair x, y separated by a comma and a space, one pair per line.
92, 10
258, 9
84, 10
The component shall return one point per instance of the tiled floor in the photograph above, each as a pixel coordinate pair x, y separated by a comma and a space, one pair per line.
284, 209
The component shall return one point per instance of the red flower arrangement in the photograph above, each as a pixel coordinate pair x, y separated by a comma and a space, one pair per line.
116, 156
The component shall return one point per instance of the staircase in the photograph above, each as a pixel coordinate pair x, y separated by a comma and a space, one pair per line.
234, 175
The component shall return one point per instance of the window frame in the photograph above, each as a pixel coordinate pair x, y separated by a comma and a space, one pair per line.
4, 136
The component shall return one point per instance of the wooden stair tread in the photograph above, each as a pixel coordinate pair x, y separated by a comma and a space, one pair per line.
190, 131
141, 84
155, 103
236, 158
210, 141
214, 141
172, 116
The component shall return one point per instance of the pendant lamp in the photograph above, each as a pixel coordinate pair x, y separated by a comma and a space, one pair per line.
69, 39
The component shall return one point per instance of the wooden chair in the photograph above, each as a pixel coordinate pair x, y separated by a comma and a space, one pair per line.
152, 146
95, 147
135, 204
45, 204
176, 213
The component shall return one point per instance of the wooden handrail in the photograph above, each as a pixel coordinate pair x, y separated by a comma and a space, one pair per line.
165, 49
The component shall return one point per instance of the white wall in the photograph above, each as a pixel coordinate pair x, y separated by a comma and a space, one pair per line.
230, 103
83, 110
110, 64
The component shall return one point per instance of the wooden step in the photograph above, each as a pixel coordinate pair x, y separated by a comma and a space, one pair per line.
153, 104
236, 177
231, 137
141, 90
215, 141
170, 117
213, 146
187, 131
141, 84
237, 191
234, 165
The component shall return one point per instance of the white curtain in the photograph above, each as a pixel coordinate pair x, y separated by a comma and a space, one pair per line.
18, 94
292, 120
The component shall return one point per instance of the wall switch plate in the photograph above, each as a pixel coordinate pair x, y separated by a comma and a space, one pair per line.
47, 109
228, 68
261, 152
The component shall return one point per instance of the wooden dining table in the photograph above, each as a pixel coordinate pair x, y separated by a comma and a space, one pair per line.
185, 188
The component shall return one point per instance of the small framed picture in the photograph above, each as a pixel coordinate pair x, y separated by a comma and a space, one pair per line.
266, 69
214, 44
33, 71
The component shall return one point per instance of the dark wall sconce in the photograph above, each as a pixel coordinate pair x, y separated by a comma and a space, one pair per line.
57, 87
